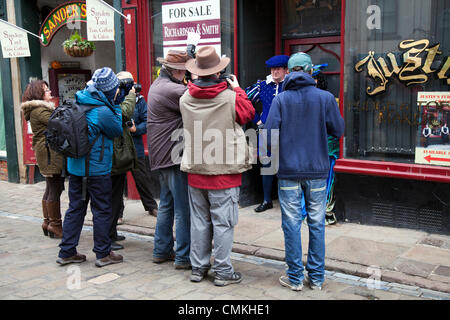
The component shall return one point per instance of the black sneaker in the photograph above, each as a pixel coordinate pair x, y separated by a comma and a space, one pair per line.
198, 275
222, 281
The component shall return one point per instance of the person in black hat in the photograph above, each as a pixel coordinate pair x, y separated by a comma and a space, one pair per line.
264, 92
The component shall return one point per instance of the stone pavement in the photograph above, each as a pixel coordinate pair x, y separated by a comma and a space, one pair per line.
28, 271
400, 258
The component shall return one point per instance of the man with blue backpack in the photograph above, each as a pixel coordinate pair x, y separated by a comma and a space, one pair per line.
90, 175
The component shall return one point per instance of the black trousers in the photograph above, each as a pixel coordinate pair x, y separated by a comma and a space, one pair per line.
118, 187
142, 178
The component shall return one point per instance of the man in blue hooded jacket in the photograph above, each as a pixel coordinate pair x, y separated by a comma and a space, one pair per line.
104, 122
303, 116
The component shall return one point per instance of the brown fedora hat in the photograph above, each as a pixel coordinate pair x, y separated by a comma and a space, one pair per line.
207, 62
175, 59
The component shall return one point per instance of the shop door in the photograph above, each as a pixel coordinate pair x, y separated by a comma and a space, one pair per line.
323, 50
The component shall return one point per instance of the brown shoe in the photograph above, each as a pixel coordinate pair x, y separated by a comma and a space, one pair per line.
46, 220
109, 259
78, 258
55, 226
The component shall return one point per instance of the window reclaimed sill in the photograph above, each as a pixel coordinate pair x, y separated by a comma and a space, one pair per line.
394, 170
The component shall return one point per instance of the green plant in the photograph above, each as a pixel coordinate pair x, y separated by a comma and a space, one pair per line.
76, 40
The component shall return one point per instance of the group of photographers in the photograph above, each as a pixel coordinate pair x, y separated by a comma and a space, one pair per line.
201, 198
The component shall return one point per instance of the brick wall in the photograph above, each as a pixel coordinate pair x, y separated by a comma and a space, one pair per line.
3, 170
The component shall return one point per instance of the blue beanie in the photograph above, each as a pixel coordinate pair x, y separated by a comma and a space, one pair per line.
278, 62
105, 81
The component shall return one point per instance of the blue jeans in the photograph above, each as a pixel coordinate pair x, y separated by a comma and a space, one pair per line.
290, 194
174, 205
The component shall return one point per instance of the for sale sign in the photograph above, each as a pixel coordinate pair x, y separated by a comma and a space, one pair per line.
433, 134
14, 42
182, 17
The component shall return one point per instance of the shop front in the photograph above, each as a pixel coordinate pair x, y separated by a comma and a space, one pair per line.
388, 64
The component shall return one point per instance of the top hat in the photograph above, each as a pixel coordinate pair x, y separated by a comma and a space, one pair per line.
207, 62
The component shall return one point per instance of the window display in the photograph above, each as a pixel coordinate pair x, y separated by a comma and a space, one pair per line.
386, 69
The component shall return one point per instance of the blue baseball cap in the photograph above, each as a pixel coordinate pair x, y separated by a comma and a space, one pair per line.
302, 60
278, 62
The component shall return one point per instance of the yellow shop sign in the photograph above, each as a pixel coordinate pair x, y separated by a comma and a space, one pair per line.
69, 12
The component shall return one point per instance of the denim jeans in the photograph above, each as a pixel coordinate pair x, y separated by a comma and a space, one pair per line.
315, 195
173, 206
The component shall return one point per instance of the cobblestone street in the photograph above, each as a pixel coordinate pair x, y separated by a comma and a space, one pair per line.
28, 271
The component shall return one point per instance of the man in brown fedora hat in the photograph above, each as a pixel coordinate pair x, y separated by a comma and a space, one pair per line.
219, 107
163, 119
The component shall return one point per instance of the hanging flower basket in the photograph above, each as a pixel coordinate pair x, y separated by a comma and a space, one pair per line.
76, 51
76, 46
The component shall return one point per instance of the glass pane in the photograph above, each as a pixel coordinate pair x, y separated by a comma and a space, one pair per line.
311, 18
319, 56
226, 25
384, 74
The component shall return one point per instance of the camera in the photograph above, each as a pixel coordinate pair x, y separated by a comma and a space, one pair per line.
129, 124
128, 83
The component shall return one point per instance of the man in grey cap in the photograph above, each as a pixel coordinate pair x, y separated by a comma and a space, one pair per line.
163, 119
304, 116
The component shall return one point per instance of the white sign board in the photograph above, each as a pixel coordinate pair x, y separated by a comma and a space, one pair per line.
198, 16
100, 21
433, 132
14, 42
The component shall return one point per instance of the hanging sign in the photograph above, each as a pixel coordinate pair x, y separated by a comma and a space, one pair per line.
182, 17
14, 42
71, 14
433, 132
100, 21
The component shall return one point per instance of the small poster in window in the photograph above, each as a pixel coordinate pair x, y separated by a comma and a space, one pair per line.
433, 132
182, 17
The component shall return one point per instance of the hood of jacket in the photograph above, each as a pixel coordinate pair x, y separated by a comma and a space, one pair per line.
29, 106
297, 80
92, 97
208, 92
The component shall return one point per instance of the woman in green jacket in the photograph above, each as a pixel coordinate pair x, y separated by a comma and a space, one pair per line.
37, 108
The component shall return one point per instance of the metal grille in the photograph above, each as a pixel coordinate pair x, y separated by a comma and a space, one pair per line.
383, 213
430, 220
407, 217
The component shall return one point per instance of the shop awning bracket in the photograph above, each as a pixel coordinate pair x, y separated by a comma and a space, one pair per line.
128, 16
41, 37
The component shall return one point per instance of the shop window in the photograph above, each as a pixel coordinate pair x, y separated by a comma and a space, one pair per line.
311, 18
384, 77
226, 31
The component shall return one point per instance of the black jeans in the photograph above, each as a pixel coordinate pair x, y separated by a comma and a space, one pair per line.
142, 178
118, 187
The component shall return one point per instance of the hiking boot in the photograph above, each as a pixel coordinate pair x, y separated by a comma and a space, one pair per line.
78, 258
222, 281
313, 286
109, 259
184, 266
198, 275
171, 257
285, 282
